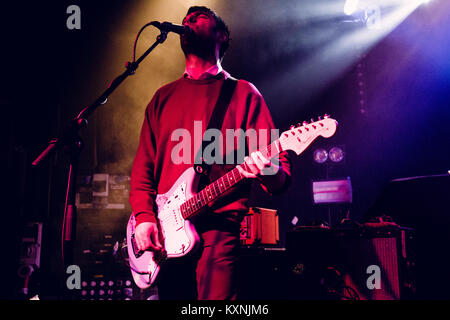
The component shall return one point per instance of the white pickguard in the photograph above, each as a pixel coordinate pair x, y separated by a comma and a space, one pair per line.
179, 235
173, 226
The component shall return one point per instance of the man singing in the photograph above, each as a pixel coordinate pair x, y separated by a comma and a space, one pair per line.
210, 272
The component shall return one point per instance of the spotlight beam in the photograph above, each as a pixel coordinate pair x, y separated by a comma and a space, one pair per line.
335, 57
350, 6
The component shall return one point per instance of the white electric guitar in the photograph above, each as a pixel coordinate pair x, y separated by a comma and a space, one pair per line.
183, 202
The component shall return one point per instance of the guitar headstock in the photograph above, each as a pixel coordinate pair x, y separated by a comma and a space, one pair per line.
299, 137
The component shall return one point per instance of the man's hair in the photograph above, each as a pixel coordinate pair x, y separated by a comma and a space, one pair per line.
220, 25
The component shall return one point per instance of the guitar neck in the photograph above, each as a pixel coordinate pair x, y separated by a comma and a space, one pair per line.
215, 189
296, 139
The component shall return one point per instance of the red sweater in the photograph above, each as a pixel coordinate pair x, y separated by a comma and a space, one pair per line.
177, 105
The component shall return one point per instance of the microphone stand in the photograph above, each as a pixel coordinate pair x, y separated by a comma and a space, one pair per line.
71, 142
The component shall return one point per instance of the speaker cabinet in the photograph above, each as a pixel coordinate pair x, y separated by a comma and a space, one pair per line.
364, 263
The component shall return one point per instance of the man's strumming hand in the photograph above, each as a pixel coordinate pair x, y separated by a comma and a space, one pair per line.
147, 237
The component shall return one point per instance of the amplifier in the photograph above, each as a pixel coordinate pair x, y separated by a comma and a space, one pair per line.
260, 226
99, 288
103, 212
370, 262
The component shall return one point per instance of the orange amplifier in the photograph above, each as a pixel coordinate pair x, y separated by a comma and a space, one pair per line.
260, 226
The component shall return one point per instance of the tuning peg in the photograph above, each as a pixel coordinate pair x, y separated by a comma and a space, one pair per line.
319, 118
305, 123
292, 127
326, 116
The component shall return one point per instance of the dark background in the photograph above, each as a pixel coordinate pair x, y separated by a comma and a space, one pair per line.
49, 73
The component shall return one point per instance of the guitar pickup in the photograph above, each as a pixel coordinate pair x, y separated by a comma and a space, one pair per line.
136, 251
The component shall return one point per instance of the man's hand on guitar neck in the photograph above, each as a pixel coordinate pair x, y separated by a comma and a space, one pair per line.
147, 237
257, 166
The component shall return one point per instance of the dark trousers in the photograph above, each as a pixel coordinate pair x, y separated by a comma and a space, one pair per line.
207, 274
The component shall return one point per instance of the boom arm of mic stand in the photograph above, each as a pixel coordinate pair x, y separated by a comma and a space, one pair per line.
70, 139
81, 120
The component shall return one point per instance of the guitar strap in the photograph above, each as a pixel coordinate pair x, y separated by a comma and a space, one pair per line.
216, 120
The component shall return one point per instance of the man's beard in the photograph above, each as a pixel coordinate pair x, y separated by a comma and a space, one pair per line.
200, 46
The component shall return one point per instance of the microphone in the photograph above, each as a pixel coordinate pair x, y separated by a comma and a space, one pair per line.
170, 27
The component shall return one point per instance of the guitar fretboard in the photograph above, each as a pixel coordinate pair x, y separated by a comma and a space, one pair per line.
215, 189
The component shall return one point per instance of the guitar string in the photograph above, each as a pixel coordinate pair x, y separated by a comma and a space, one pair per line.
194, 206
195, 203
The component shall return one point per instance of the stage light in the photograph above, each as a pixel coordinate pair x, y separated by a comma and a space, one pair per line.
336, 154
320, 155
350, 7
